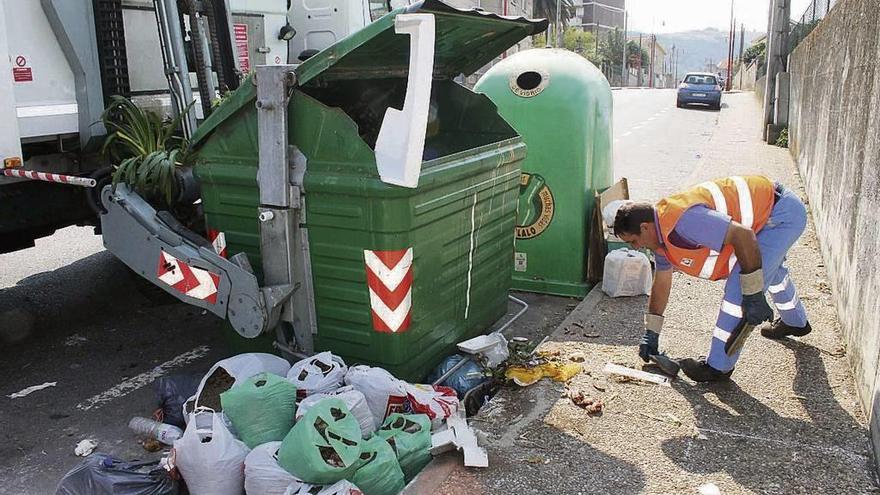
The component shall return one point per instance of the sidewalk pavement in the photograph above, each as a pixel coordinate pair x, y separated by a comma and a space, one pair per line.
788, 422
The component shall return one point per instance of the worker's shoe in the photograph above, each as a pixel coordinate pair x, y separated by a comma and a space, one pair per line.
700, 371
778, 330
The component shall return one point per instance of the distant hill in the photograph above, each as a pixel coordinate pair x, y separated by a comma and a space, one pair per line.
696, 48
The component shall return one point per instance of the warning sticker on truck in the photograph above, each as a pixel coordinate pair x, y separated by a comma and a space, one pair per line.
21, 72
241, 45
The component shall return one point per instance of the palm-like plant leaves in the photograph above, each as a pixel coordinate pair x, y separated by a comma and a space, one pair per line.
145, 146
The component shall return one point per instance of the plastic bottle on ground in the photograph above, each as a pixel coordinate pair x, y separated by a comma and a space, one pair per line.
162, 432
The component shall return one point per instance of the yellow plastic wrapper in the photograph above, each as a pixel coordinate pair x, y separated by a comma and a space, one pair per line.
524, 376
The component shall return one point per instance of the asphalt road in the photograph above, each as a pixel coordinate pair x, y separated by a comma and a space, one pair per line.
73, 315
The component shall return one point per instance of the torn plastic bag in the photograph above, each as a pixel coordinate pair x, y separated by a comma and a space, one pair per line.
231, 372
209, 458
381, 473
627, 273
339, 488
321, 373
437, 402
355, 401
263, 475
463, 379
323, 447
102, 474
385, 394
410, 437
262, 408
171, 392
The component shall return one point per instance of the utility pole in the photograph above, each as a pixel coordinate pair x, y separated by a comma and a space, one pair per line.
777, 41
742, 40
730, 45
653, 44
623, 73
558, 11
639, 75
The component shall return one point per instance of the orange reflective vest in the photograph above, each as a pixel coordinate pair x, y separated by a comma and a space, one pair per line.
748, 200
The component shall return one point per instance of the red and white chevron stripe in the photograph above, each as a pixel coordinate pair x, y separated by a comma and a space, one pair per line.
188, 280
390, 278
218, 240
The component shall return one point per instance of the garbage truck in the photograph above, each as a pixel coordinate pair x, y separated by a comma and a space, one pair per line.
61, 61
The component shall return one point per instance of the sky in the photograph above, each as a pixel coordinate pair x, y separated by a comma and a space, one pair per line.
669, 16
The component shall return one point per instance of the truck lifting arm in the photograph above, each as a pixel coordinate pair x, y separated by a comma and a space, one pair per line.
183, 264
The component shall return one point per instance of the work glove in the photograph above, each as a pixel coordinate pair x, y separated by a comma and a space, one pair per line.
650, 343
754, 304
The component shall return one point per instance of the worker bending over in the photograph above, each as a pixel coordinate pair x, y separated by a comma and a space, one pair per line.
736, 228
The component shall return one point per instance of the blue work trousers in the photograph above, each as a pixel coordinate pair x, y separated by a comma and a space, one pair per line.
786, 224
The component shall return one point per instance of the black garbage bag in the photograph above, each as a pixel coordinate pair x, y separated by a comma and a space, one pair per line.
171, 392
102, 474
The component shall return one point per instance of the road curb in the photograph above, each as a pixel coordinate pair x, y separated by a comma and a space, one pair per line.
443, 466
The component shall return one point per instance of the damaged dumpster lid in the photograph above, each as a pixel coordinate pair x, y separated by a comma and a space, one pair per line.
466, 41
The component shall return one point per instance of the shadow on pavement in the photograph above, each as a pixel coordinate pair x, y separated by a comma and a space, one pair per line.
767, 452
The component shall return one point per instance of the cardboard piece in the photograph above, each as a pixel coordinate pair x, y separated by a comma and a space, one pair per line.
599, 235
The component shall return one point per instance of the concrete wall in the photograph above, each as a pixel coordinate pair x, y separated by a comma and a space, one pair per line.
760, 85
835, 138
744, 79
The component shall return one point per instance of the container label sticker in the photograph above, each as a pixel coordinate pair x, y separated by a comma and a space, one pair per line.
520, 262
241, 44
529, 83
536, 206
21, 72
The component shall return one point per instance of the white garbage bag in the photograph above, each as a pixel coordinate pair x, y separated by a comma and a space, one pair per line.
627, 273
263, 475
354, 399
343, 487
209, 458
240, 368
385, 394
321, 373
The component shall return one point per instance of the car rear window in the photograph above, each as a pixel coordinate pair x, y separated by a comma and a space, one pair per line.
694, 79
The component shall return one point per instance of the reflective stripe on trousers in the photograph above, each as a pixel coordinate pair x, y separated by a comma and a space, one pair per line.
786, 224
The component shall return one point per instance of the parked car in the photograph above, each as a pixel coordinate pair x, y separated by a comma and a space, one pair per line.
699, 88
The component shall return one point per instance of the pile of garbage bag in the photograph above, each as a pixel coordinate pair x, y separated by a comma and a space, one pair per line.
256, 424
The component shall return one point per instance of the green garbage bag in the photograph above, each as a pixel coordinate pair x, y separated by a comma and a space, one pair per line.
262, 409
380, 474
410, 437
325, 444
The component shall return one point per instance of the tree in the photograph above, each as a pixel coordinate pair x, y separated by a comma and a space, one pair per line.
632, 55
756, 52
546, 9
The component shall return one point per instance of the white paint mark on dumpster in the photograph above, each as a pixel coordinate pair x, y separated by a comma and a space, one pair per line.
31, 390
136, 382
467, 306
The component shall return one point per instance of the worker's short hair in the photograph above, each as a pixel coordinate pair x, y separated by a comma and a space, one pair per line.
631, 216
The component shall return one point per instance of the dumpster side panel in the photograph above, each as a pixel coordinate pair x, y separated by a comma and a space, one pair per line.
459, 226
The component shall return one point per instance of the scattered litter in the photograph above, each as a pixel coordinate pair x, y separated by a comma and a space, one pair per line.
463, 438
525, 375
578, 357
577, 324
536, 459
589, 404
698, 434
592, 335
152, 445
709, 489
31, 390
437, 402
85, 447
616, 369
75, 340
665, 418
601, 387
627, 272
155, 430
493, 348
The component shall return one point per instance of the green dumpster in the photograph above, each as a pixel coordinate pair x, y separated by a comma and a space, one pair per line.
400, 274
561, 105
